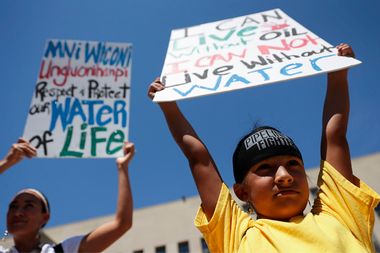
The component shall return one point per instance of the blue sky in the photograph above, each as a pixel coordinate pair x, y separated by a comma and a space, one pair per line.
85, 188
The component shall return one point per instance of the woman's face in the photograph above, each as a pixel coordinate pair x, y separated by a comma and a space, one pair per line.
276, 187
25, 216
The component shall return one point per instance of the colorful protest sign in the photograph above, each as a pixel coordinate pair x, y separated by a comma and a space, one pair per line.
80, 105
243, 52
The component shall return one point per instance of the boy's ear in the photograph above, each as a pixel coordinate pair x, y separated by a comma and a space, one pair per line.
240, 192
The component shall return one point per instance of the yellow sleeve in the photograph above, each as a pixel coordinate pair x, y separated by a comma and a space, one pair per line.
226, 228
352, 205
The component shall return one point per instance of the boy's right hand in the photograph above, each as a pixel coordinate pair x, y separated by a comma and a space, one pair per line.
155, 86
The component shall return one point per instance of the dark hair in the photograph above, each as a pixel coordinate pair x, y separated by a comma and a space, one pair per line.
259, 144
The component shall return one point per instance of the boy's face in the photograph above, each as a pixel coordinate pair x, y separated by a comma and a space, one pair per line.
276, 187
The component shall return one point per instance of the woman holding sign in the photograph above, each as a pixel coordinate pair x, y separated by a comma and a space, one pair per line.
17, 152
270, 177
29, 211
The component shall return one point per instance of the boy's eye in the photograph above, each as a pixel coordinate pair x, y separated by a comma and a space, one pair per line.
293, 163
263, 168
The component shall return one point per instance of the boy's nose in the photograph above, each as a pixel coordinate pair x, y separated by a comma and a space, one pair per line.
283, 176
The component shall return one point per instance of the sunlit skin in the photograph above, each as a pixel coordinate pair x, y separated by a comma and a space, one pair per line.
25, 216
29, 211
276, 187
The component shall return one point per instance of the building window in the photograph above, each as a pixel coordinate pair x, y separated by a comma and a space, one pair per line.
161, 249
138, 251
204, 246
183, 247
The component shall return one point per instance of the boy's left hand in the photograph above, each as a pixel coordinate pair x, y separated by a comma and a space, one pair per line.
345, 50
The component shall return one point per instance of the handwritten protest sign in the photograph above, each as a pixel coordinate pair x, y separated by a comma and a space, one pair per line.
243, 52
80, 105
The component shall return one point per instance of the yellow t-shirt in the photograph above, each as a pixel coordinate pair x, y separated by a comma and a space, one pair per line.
341, 220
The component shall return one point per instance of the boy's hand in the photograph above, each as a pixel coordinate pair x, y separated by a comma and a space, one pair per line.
154, 87
345, 50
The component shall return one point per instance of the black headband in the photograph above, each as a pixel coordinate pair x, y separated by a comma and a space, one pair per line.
262, 143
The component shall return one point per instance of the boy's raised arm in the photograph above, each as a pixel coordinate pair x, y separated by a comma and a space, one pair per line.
203, 168
334, 146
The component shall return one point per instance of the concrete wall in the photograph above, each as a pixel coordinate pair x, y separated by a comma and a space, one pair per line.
171, 223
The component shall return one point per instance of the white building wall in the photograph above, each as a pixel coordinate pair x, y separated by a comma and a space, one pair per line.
171, 223
166, 224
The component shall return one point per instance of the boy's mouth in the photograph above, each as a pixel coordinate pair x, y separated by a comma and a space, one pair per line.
287, 192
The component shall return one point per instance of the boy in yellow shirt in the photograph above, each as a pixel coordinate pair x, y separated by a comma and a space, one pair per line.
270, 177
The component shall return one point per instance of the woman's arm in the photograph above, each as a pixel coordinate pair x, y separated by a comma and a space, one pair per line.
17, 152
103, 236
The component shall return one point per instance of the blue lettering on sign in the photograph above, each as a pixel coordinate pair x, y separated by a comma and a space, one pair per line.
262, 73
314, 64
107, 54
98, 53
92, 112
61, 49
184, 94
236, 78
287, 70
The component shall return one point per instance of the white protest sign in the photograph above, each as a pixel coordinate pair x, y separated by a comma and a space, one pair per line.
80, 105
243, 52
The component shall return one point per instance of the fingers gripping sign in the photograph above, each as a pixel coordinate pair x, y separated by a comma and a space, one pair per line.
22, 148
345, 50
154, 87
